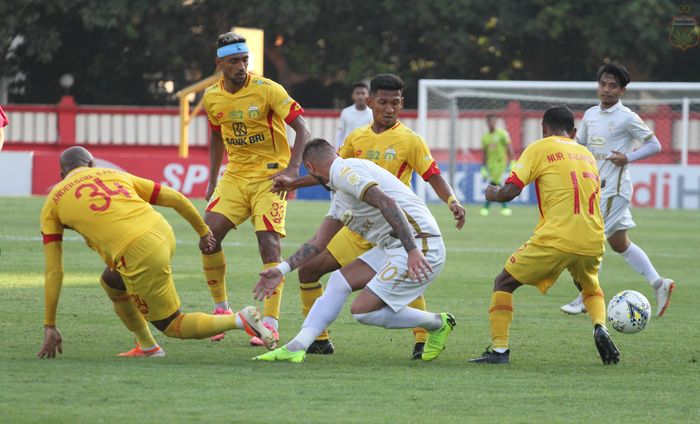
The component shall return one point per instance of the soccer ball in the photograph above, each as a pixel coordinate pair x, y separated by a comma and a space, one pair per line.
629, 312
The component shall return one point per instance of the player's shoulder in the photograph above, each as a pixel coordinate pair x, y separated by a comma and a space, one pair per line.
261, 83
407, 133
213, 89
591, 110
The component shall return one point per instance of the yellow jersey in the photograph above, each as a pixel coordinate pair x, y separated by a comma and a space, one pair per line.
251, 123
399, 150
567, 187
110, 209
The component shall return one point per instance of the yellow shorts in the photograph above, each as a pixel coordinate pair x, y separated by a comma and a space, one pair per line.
239, 198
347, 245
540, 266
145, 269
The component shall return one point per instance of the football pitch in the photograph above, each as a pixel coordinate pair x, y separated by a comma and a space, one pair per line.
555, 373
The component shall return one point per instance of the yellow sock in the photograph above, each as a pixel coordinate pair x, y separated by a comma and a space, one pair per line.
271, 305
419, 333
130, 315
309, 292
215, 272
197, 325
500, 317
595, 305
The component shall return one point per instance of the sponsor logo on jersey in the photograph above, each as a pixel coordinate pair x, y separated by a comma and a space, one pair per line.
253, 112
346, 217
236, 115
596, 141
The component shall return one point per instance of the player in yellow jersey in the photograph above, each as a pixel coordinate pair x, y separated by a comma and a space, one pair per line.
568, 236
247, 116
399, 150
111, 210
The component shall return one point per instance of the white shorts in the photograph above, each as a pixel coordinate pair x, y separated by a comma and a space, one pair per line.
616, 214
391, 283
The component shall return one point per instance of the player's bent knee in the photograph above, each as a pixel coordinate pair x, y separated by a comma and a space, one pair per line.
368, 318
505, 282
163, 325
113, 280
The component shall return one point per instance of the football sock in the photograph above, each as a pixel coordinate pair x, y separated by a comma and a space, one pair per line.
419, 333
595, 305
197, 325
130, 315
405, 318
325, 310
309, 292
639, 261
487, 204
214, 266
271, 305
500, 317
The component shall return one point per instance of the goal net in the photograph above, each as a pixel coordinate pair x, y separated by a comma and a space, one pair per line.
452, 118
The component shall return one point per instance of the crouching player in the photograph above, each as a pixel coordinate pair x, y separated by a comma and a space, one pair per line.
408, 256
111, 210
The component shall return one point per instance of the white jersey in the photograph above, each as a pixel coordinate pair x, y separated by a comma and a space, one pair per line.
616, 128
351, 118
350, 179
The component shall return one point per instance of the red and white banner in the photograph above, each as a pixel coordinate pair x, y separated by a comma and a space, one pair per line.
655, 186
188, 176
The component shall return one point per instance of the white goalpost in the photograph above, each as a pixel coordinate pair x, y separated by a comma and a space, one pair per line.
451, 115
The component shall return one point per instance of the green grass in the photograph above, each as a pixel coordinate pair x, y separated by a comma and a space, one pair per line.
555, 374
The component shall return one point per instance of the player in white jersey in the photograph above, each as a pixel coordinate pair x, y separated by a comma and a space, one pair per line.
611, 132
408, 256
354, 116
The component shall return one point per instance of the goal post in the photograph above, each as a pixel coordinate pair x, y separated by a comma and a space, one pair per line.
451, 116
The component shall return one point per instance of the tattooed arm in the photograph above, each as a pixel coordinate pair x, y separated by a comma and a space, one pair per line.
418, 266
393, 214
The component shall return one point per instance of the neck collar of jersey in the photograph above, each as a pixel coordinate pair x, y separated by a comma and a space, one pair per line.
612, 108
75, 171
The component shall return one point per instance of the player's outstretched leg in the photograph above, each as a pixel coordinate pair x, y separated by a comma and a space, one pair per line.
606, 348
438, 339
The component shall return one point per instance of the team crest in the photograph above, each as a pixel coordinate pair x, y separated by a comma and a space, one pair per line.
253, 112
389, 154
353, 179
611, 125
685, 32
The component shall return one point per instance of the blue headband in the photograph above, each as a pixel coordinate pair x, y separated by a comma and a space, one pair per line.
240, 47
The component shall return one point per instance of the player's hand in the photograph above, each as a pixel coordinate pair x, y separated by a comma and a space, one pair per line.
291, 172
282, 184
458, 213
617, 158
268, 282
491, 192
210, 190
485, 173
418, 267
52, 343
207, 244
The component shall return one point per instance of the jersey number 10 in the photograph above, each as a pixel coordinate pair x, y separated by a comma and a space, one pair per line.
99, 189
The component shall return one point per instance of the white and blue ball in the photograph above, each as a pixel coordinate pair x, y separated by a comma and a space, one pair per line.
629, 312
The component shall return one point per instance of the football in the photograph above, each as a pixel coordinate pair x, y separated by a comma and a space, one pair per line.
629, 312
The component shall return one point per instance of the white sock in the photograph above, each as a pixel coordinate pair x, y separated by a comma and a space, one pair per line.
239, 321
325, 310
500, 349
405, 318
271, 321
222, 305
639, 261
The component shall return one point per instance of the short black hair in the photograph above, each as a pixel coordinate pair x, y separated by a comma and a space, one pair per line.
617, 70
315, 146
491, 116
386, 82
559, 118
360, 84
229, 38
